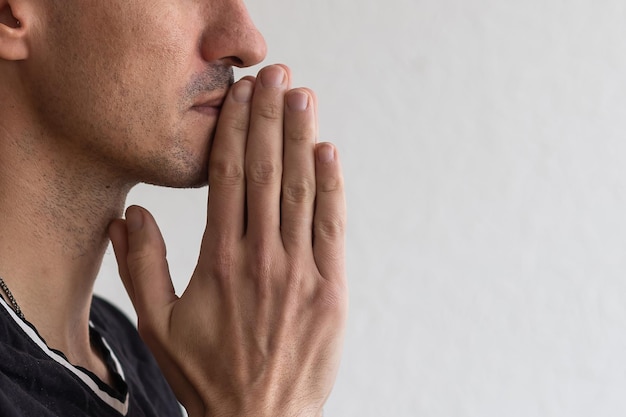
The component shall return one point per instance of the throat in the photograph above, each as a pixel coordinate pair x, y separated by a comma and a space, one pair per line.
93, 356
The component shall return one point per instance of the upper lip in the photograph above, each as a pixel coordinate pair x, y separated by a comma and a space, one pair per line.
210, 100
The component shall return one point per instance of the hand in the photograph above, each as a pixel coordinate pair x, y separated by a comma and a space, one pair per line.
259, 329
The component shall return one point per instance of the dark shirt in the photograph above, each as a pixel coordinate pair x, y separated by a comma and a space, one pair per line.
36, 381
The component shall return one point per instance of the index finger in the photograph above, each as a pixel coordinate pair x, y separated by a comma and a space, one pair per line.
227, 189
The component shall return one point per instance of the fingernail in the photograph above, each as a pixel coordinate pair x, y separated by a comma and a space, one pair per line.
297, 100
134, 219
273, 76
242, 91
326, 153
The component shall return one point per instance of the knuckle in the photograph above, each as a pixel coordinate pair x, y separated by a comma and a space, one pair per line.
270, 111
223, 172
239, 125
301, 135
299, 192
262, 172
140, 262
223, 263
331, 184
329, 228
137, 257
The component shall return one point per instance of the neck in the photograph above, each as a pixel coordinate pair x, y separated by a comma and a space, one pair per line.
54, 213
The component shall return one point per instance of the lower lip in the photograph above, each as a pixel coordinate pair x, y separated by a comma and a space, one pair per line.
206, 110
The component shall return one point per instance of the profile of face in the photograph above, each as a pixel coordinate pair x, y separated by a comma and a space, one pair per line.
137, 85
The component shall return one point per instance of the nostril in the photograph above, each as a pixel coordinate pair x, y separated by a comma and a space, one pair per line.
235, 61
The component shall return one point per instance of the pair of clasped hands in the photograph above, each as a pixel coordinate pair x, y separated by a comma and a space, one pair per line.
258, 332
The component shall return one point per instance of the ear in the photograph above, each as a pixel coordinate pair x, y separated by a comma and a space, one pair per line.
13, 43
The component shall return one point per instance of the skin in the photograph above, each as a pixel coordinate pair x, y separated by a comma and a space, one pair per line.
158, 61
101, 96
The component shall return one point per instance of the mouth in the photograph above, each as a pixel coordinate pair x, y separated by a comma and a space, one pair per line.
210, 106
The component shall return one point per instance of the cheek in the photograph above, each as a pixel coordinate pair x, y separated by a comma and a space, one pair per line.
92, 83
115, 92
126, 58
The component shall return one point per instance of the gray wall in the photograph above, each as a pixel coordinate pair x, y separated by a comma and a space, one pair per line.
484, 152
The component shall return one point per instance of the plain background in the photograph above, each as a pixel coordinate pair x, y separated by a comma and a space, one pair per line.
485, 162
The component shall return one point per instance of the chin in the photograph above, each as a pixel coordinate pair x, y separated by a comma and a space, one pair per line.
178, 164
180, 180
182, 174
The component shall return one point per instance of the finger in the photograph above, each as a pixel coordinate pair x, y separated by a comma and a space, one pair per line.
146, 264
119, 239
330, 214
227, 188
264, 152
298, 188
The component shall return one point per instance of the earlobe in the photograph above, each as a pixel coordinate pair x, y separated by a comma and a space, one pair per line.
13, 45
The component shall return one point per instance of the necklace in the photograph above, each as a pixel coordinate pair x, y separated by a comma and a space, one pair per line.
7, 291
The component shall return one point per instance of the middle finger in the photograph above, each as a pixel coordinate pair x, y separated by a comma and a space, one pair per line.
264, 153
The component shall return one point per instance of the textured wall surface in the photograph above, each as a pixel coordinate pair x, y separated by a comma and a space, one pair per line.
484, 153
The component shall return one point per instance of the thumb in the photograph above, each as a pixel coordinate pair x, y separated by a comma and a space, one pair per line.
142, 263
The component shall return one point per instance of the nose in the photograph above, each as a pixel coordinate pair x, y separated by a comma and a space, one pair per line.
231, 36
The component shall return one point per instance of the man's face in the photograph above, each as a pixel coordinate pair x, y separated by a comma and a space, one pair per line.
134, 86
